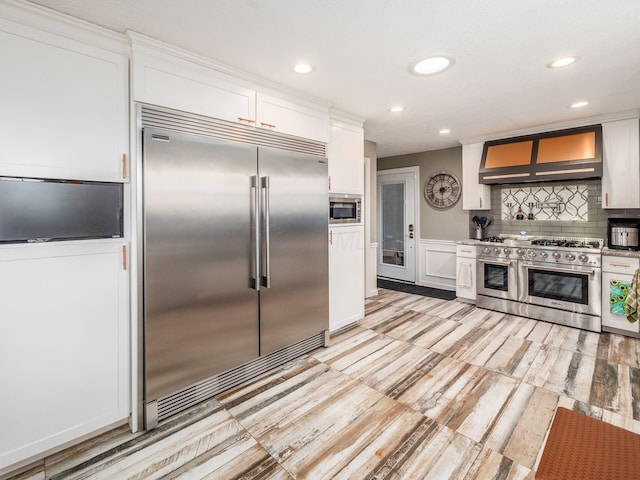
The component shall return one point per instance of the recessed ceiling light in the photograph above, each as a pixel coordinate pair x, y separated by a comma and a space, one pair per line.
397, 108
579, 104
303, 68
432, 65
444, 131
562, 62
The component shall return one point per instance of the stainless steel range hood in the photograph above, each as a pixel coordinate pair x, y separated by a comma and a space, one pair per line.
560, 155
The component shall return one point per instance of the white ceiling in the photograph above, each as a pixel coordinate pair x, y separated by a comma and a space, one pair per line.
361, 50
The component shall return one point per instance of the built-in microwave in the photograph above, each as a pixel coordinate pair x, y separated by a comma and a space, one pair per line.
345, 209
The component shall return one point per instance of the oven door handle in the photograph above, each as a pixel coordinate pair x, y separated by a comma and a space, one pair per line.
496, 262
561, 270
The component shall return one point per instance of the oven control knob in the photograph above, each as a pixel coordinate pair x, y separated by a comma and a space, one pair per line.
556, 255
571, 257
544, 254
486, 250
496, 251
507, 251
531, 253
520, 251
583, 258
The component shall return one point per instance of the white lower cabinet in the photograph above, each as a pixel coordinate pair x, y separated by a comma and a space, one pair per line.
64, 347
346, 275
617, 274
466, 272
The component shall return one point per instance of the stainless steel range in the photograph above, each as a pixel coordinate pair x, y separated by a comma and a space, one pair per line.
553, 279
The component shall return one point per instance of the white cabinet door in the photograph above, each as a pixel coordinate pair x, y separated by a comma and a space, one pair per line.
613, 317
64, 107
621, 164
346, 275
475, 196
346, 159
64, 348
293, 118
162, 79
466, 272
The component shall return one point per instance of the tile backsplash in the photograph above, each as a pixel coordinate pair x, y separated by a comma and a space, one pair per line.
563, 209
548, 202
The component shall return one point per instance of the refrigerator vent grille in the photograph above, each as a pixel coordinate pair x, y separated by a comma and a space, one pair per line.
188, 397
210, 127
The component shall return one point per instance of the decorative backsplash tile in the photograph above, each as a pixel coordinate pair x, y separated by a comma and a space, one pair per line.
553, 202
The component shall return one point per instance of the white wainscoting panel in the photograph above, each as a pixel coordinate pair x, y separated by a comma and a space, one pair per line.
437, 262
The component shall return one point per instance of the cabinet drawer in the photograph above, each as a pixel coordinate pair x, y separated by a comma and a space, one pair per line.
467, 251
612, 311
625, 265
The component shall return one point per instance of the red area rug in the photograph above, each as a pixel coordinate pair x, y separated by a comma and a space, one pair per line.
583, 448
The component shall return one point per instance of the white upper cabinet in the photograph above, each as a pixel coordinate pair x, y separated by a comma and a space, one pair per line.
621, 164
170, 77
475, 196
64, 99
292, 117
160, 78
346, 158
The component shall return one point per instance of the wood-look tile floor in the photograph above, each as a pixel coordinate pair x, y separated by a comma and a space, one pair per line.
421, 388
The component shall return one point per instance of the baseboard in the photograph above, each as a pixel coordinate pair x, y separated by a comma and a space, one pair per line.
372, 293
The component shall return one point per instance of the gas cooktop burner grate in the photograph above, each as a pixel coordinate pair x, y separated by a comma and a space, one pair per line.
493, 239
567, 242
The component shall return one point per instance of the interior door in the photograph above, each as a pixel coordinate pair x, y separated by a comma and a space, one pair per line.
200, 310
294, 294
396, 226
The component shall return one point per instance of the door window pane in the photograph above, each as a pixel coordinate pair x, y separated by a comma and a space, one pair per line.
393, 224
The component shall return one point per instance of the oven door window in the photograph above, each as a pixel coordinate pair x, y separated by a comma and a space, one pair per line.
496, 277
563, 286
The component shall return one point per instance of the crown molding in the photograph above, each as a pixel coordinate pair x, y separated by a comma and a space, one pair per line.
582, 122
340, 116
53, 22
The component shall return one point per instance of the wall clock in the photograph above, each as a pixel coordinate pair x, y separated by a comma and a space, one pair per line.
442, 190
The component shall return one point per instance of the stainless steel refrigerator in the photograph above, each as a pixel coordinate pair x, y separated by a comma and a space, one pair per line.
235, 256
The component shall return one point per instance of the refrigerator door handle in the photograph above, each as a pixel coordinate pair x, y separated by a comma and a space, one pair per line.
266, 278
255, 221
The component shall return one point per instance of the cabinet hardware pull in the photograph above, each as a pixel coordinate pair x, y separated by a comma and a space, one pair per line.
124, 257
330, 237
480, 202
625, 265
268, 125
248, 120
124, 165
329, 182
606, 199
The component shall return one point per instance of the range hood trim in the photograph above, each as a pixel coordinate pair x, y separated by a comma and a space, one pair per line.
547, 171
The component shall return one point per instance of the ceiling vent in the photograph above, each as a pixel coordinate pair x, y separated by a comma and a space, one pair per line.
561, 155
